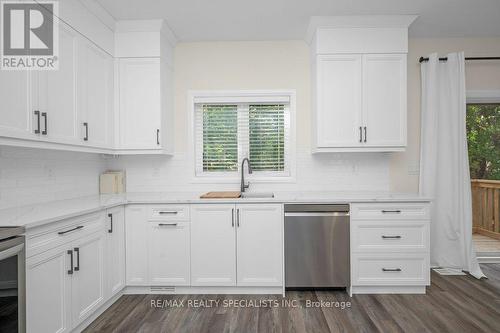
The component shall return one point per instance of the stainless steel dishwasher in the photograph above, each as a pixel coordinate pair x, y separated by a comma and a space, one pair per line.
317, 246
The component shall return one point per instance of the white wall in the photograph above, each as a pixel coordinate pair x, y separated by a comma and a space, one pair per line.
251, 65
35, 175
480, 75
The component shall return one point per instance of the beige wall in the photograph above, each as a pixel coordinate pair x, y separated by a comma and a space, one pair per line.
481, 75
242, 65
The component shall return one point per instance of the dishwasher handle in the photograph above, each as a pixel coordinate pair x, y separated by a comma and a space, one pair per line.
308, 214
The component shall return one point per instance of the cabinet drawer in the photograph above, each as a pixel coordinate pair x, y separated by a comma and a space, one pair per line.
394, 236
45, 238
169, 213
390, 211
390, 269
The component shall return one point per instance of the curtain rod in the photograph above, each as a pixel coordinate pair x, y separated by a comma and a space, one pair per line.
422, 59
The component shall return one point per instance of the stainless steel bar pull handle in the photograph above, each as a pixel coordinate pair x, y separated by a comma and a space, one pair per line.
44, 115
391, 269
70, 271
168, 212
158, 137
110, 230
391, 237
365, 133
396, 211
360, 134
232, 217
238, 217
77, 251
70, 230
37, 114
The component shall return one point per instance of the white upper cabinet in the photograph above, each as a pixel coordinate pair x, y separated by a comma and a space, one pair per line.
144, 51
338, 100
95, 92
15, 109
140, 107
359, 83
105, 97
54, 93
384, 100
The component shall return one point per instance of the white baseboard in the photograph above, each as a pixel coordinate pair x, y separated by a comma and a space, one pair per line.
489, 259
203, 290
388, 290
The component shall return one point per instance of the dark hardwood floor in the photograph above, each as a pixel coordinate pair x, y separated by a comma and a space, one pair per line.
452, 304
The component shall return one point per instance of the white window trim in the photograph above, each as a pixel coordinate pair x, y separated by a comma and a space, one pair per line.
483, 96
232, 96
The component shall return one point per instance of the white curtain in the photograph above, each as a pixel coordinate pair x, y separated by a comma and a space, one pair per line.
444, 164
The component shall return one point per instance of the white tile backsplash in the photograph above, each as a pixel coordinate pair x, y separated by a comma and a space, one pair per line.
315, 172
30, 176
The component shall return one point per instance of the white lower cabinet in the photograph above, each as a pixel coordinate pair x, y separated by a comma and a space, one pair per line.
213, 239
157, 245
115, 251
390, 247
88, 276
259, 245
136, 246
48, 291
168, 253
236, 245
65, 285
72, 268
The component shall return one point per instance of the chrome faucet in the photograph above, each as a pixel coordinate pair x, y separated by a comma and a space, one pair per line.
243, 185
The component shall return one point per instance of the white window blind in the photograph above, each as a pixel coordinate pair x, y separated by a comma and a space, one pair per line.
226, 133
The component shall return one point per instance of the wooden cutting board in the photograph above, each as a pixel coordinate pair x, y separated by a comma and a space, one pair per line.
221, 195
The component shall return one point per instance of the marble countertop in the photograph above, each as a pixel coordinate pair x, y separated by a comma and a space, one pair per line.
31, 216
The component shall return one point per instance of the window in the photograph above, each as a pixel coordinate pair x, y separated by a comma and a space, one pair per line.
483, 138
228, 128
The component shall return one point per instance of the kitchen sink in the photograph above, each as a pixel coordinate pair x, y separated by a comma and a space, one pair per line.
257, 195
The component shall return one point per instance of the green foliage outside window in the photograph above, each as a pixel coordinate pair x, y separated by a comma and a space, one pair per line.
483, 137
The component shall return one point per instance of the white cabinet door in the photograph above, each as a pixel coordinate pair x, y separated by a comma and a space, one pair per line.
169, 260
15, 110
259, 245
338, 100
95, 95
88, 277
55, 92
140, 106
136, 235
115, 251
213, 248
384, 99
48, 292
